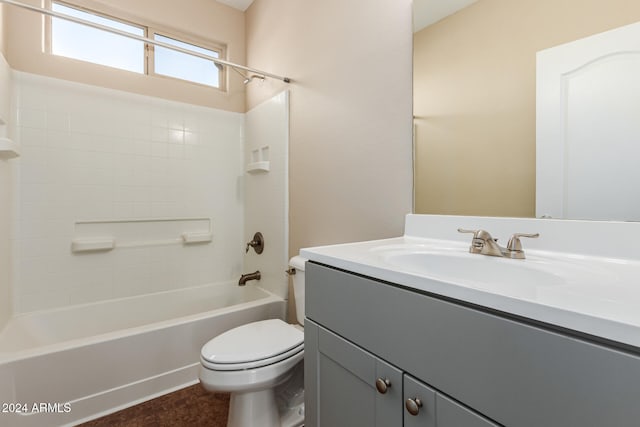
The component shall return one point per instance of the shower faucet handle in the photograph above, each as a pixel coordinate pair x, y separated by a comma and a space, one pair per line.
257, 243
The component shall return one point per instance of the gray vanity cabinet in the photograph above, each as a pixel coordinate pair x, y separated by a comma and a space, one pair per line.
354, 388
469, 367
452, 414
437, 410
425, 414
346, 391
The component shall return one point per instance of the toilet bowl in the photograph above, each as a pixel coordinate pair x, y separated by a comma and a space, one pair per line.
254, 362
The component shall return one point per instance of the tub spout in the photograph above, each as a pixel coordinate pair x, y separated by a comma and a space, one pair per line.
249, 276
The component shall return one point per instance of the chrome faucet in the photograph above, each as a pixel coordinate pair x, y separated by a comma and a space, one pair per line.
249, 276
483, 243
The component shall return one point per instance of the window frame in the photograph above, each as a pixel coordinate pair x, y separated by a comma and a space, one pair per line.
195, 41
149, 32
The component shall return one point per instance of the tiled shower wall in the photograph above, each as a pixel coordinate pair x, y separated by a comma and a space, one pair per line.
93, 154
266, 192
5, 196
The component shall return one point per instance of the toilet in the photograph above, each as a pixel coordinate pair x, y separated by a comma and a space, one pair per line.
260, 364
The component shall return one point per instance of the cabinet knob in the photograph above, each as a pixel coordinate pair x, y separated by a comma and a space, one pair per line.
413, 405
382, 385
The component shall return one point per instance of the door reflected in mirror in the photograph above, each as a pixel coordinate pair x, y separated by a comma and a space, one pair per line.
475, 99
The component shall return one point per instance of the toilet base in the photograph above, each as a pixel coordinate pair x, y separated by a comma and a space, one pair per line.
253, 408
279, 406
290, 398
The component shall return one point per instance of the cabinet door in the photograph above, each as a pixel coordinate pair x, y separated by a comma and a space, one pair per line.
452, 414
343, 386
424, 407
419, 404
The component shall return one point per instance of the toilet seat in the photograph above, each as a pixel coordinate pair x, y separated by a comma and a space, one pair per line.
252, 365
252, 346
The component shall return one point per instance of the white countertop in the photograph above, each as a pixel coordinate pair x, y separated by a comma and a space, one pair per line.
594, 291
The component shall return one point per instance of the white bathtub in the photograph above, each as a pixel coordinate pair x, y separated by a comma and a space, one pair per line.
71, 365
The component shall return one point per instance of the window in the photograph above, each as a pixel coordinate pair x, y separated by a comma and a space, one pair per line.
78, 41
90, 44
183, 66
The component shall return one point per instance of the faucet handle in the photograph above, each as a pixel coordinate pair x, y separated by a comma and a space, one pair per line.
462, 230
478, 234
514, 242
481, 239
257, 243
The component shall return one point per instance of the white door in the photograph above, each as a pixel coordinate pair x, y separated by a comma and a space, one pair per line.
588, 128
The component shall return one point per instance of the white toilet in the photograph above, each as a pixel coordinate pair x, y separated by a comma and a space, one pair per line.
260, 365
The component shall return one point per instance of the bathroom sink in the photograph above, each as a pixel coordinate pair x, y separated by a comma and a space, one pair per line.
579, 275
516, 278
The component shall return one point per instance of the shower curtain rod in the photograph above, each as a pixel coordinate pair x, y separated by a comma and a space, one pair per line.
143, 39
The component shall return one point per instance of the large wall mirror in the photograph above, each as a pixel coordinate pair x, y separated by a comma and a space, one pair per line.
475, 98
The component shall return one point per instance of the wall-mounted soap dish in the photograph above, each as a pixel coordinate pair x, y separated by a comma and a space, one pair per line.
259, 160
259, 167
9, 149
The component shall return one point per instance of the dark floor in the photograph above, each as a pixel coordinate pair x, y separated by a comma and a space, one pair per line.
189, 407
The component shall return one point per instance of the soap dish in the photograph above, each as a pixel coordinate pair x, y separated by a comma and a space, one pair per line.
9, 149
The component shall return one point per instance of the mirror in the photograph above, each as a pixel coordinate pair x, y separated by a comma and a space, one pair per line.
475, 98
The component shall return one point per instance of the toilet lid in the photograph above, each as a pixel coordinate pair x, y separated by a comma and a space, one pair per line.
253, 342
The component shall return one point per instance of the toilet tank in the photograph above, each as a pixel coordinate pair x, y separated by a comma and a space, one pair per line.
297, 263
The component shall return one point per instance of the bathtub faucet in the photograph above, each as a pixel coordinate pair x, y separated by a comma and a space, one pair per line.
249, 276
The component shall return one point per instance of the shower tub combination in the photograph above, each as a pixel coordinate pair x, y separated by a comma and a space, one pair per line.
65, 366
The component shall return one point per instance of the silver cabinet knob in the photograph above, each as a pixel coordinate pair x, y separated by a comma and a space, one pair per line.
382, 385
413, 406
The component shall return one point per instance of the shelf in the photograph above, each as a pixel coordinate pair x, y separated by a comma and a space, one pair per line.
93, 245
197, 237
263, 166
259, 160
9, 149
106, 235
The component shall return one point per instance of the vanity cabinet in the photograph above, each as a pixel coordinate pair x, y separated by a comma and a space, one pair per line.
437, 410
468, 366
347, 394
354, 388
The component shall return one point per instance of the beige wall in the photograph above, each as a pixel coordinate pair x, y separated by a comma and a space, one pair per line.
202, 18
350, 119
474, 85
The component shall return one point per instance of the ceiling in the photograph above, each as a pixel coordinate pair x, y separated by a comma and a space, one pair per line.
237, 4
427, 12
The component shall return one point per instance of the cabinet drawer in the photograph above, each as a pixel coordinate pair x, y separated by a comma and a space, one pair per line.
517, 374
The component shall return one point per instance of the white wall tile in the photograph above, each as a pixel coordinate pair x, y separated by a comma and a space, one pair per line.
97, 154
32, 118
57, 121
32, 137
266, 193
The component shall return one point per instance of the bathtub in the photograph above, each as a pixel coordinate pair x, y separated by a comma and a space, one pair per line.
65, 366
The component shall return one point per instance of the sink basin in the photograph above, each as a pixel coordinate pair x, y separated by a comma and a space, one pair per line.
515, 278
582, 284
